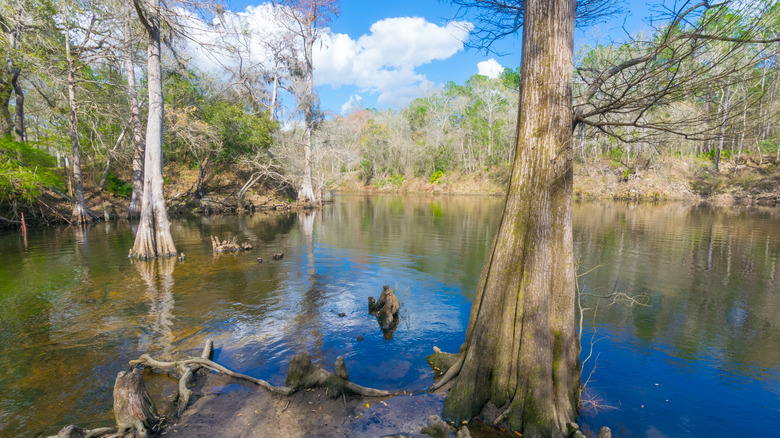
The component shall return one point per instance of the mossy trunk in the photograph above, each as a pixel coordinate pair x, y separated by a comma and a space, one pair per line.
154, 231
522, 350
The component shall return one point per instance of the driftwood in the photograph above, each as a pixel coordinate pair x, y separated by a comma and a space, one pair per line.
231, 245
304, 374
385, 309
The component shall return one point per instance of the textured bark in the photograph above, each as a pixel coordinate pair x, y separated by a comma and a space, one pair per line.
135, 122
153, 238
521, 347
133, 407
79, 215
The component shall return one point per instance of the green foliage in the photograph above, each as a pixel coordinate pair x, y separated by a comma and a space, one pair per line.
117, 187
436, 176
725, 154
397, 180
24, 172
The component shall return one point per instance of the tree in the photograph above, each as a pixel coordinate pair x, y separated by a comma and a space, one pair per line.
521, 350
134, 210
306, 19
153, 238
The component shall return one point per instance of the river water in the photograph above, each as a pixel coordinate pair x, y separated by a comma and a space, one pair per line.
685, 340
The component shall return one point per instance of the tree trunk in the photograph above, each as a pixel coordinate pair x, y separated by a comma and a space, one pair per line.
15, 72
110, 160
79, 215
306, 193
135, 122
153, 238
724, 113
521, 351
6, 124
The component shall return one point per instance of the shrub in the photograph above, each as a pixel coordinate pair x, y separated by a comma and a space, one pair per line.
436, 176
25, 171
117, 187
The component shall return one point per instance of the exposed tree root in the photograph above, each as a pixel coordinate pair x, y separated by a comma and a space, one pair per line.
147, 360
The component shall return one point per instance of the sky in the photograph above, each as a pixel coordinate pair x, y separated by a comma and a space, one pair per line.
383, 54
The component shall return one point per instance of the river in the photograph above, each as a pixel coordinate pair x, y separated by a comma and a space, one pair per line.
685, 341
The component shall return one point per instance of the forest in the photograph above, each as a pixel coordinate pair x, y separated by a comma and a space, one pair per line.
73, 105
149, 109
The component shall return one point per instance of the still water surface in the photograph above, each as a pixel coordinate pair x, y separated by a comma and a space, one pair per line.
698, 352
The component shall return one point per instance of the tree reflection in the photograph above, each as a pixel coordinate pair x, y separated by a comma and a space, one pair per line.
158, 276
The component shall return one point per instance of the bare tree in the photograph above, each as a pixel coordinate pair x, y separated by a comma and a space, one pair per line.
134, 210
306, 20
153, 238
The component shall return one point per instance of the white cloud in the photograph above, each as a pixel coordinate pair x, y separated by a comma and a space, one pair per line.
385, 60
490, 68
382, 62
355, 102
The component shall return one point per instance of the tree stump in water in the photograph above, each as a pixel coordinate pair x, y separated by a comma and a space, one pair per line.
385, 309
133, 407
304, 374
229, 245
441, 362
341, 368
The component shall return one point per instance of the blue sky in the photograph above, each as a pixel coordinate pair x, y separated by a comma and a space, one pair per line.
384, 53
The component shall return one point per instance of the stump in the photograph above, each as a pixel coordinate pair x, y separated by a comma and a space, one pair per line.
133, 407
304, 374
437, 428
231, 245
72, 431
385, 309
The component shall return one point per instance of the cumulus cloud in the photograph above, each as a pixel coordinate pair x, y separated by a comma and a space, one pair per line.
490, 68
382, 62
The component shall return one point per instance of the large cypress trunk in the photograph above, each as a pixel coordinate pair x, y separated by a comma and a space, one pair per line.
154, 231
521, 346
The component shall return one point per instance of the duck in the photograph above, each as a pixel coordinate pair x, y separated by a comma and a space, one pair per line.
259, 260
182, 257
278, 255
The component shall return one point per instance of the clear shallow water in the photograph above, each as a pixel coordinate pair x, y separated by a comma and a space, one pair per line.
74, 310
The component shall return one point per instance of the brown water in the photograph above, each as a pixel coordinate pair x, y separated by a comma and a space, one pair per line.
74, 310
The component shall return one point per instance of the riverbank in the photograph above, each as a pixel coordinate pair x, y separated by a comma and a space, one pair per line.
755, 180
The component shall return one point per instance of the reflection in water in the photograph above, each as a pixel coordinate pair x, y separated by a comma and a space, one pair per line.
158, 276
708, 345
701, 359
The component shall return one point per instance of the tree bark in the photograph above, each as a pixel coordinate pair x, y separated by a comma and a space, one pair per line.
79, 215
134, 210
153, 238
521, 350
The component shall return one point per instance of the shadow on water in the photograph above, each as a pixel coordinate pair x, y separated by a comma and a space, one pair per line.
702, 358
